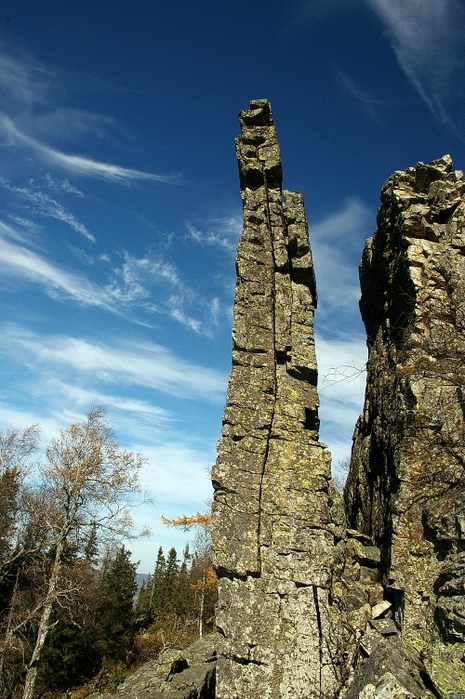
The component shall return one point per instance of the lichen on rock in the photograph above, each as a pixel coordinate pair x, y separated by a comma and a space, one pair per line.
406, 486
319, 597
273, 541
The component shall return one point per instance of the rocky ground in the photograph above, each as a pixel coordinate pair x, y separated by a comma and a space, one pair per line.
175, 674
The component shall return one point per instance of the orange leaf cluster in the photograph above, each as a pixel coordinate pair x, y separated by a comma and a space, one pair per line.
201, 519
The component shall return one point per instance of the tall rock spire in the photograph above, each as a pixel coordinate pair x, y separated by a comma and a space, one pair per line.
272, 534
406, 483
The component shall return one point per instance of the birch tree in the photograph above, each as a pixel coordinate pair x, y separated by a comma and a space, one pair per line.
88, 486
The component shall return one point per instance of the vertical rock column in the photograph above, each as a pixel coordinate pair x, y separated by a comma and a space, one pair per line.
406, 487
272, 536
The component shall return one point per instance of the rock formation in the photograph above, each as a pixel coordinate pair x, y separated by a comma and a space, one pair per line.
406, 487
174, 674
273, 542
362, 599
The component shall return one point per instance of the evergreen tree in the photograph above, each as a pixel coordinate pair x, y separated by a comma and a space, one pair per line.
183, 588
117, 614
143, 600
156, 599
170, 582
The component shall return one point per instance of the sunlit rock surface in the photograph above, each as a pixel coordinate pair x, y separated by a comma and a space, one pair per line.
362, 599
274, 540
406, 487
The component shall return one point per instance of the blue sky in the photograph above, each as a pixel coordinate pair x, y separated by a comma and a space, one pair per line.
120, 208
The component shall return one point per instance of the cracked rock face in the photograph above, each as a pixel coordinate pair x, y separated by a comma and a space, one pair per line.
406, 487
273, 540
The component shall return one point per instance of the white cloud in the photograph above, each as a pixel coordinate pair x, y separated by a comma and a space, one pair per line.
341, 368
132, 279
25, 264
336, 246
32, 87
427, 37
177, 480
107, 171
172, 464
117, 363
344, 223
26, 223
79, 164
81, 396
130, 289
46, 206
23, 82
340, 341
221, 232
134, 282
177, 312
61, 122
366, 99
62, 186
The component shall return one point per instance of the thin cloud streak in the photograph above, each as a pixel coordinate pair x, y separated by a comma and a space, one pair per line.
80, 164
22, 263
219, 232
24, 82
335, 243
427, 37
353, 217
46, 206
136, 364
128, 292
360, 94
116, 173
133, 282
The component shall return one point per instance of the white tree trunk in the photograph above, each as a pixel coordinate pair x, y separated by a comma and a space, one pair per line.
44, 624
202, 604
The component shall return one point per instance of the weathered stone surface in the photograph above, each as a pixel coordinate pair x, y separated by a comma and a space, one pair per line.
406, 486
388, 673
273, 530
175, 674
315, 601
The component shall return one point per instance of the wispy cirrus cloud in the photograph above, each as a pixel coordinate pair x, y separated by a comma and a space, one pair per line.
428, 39
84, 396
337, 243
24, 82
93, 168
134, 282
362, 95
117, 362
62, 186
147, 284
78, 164
132, 279
45, 205
219, 232
24, 264
25, 223
32, 117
